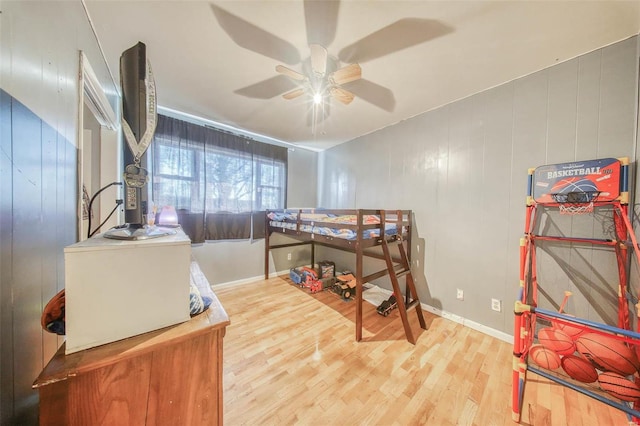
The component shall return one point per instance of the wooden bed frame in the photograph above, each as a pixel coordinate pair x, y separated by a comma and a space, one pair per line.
361, 246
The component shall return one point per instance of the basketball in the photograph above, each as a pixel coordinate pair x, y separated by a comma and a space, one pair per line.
619, 386
607, 353
544, 357
556, 340
579, 369
574, 331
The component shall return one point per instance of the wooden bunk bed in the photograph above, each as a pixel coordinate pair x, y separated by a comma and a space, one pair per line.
363, 232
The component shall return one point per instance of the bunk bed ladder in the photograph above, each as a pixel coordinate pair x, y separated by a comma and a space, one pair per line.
411, 299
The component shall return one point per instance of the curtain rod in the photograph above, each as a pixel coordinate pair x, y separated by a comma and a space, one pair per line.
227, 128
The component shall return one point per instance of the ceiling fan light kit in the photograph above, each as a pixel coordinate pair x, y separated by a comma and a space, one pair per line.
317, 82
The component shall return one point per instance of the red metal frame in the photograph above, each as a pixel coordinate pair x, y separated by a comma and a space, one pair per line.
527, 302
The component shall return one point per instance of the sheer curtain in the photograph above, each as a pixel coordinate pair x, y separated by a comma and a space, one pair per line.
218, 182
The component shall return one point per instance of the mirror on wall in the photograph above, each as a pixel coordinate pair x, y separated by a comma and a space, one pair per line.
99, 157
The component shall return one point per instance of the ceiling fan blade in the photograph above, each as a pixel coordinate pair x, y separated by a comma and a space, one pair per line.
401, 34
268, 88
289, 72
256, 39
293, 94
321, 18
346, 74
374, 94
318, 59
342, 95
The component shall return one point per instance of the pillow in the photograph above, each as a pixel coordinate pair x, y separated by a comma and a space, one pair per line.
196, 303
201, 294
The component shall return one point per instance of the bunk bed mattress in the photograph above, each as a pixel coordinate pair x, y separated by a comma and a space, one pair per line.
279, 220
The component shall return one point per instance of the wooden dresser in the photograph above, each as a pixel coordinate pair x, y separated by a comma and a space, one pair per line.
171, 376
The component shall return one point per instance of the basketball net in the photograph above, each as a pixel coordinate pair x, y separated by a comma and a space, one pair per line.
575, 209
574, 203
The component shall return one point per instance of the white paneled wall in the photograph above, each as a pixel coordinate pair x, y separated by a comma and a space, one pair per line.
462, 169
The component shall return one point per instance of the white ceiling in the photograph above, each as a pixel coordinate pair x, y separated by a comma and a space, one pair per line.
216, 60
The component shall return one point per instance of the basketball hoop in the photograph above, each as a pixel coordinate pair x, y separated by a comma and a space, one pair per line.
574, 203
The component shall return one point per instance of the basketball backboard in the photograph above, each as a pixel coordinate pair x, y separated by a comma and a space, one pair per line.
578, 181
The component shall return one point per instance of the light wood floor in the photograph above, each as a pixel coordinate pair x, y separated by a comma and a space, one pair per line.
290, 357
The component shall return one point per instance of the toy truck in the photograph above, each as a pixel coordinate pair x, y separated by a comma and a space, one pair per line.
387, 306
345, 286
301, 274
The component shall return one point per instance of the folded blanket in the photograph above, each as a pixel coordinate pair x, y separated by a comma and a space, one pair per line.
52, 319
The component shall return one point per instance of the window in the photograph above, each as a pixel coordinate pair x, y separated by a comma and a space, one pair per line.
270, 185
176, 181
215, 180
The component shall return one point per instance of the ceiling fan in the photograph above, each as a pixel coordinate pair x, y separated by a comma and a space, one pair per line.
324, 76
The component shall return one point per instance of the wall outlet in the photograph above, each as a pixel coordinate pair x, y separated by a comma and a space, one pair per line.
460, 294
288, 256
496, 305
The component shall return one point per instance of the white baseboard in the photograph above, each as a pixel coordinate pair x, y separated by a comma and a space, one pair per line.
248, 280
468, 323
